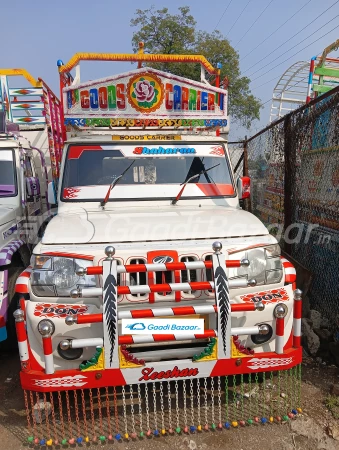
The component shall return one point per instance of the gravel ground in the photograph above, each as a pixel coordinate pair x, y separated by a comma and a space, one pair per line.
309, 432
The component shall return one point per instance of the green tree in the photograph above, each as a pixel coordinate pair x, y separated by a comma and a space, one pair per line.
167, 33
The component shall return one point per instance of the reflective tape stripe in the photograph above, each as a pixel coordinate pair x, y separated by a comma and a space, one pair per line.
297, 327
142, 289
21, 285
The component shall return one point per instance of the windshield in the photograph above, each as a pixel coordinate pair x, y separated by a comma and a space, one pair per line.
157, 173
7, 174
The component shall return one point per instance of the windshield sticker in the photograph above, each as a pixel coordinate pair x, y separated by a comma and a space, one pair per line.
148, 137
212, 190
163, 151
76, 151
70, 193
218, 150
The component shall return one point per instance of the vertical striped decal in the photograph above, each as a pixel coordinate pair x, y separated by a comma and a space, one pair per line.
21, 285
290, 272
110, 313
48, 354
222, 298
297, 314
279, 331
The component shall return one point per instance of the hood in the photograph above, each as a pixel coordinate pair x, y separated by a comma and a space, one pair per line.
156, 224
7, 214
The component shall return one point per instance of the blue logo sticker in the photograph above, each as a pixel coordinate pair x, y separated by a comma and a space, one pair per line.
136, 326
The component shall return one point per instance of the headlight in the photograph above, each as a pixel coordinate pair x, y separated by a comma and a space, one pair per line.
265, 265
55, 276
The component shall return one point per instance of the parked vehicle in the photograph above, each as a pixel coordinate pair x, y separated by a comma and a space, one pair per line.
24, 210
147, 178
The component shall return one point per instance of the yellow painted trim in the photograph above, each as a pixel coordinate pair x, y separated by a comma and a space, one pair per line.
22, 72
100, 365
146, 137
236, 353
124, 364
137, 57
212, 356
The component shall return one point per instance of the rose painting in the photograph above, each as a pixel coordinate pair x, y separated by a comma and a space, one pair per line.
145, 93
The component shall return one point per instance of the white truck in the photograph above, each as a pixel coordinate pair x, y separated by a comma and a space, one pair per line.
24, 209
145, 171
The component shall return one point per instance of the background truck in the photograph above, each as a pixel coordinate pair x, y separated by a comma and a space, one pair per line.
28, 118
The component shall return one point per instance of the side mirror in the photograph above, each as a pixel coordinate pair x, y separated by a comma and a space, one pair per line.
51, 194
244, 187
32, 186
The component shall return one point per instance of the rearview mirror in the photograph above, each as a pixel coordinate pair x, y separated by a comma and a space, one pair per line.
32, 186
51, 194
244, 187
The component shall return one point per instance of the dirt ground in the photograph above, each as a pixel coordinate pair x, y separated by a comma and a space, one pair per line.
310, 431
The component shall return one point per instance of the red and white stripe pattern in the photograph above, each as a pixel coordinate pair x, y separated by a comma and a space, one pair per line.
279, 331
149, 338
48, 354
310, 80
161, 312
166, 287
290, 272
181, 311
297, 313
22, 342
21, 285
162, 267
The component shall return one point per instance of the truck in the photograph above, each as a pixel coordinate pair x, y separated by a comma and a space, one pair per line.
149, 227
24, 209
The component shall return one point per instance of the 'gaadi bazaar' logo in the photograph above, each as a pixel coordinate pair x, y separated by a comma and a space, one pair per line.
58, 310
145, 92
274, 296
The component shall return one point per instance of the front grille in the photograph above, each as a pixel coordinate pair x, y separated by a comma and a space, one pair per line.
188, 275
209, 274
163, 278
166, 277
137, 278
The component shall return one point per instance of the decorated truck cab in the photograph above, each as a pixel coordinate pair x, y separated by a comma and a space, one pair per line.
23, 182
149, 227
19, 199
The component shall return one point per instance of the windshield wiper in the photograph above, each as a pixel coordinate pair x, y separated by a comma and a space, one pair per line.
115, 182
177, 198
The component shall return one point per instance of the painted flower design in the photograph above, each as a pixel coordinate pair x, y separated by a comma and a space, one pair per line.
144, 91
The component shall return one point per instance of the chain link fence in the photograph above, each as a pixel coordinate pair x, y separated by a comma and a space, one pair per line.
294, 166
237, 156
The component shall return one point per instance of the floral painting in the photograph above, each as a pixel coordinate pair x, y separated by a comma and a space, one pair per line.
145, 92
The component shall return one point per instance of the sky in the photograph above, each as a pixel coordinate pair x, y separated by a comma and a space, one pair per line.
38, 33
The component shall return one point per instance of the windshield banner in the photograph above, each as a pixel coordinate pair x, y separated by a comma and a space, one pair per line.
76, 151
145, 91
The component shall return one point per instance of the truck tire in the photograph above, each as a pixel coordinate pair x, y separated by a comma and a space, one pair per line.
11, 343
